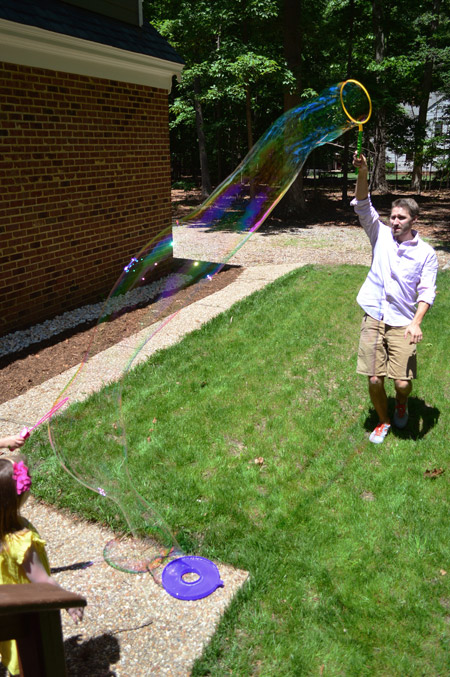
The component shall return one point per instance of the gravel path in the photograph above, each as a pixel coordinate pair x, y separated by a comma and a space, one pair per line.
325, 245
317, 244
131, 627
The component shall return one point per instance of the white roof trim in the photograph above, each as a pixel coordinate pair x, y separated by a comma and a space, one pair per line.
32, 46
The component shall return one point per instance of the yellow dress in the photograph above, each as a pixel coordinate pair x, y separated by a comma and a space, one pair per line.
12, 555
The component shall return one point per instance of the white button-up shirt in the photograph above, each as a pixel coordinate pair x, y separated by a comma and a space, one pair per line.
401, 274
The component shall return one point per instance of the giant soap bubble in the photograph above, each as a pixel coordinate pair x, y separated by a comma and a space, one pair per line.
105, 424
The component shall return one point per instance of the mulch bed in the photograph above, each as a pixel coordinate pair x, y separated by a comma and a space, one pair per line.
40, 362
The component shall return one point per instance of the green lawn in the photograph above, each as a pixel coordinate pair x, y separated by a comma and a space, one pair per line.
346, 542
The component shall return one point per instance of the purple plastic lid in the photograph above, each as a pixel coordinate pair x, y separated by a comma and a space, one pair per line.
206, 571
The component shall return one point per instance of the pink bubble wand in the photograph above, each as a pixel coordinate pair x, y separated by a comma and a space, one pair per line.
25, 433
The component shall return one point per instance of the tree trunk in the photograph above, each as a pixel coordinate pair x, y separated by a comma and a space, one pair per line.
292, 47
378, 180
293, 202
420, 134
218, 114
248, 113
206, 180
421, 126
345, 154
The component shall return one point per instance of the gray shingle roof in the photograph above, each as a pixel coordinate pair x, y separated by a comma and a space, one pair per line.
57, 16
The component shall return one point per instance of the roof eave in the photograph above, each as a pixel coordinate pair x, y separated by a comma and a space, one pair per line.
31, 46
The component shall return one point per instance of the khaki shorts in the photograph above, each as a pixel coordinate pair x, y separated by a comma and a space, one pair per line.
384, 351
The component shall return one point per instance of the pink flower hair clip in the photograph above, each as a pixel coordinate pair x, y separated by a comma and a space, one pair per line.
22, 478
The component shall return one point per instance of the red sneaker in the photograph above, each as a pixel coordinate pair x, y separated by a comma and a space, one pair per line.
400, 414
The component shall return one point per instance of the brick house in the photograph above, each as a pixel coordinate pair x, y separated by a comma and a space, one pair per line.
85, 163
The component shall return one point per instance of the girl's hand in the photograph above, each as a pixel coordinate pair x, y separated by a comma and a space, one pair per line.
76, 614
12, 442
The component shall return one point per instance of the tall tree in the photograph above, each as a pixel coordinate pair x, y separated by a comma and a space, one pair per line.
233, 67
345, 154
425, 89
294, 200
203, 156
180, 24
247, 61
378, 180
411, 60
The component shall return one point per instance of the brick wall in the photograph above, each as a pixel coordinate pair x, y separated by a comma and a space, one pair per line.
85, 183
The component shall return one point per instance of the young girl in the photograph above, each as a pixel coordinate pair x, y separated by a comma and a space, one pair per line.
22, 552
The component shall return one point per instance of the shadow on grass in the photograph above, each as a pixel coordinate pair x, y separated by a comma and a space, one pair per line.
422, 418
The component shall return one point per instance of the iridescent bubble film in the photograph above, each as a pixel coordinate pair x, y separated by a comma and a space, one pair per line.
95, 439
245, 199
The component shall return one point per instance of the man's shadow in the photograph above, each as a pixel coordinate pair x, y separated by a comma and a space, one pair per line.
422, 418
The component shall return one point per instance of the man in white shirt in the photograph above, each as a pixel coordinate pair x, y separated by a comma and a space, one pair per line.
399, 289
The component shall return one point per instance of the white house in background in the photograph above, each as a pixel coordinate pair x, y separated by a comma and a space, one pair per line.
438, 124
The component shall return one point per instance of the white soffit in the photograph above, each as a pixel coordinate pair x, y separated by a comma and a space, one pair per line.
32, 46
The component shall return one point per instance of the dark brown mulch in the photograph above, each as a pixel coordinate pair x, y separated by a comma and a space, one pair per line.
21, 371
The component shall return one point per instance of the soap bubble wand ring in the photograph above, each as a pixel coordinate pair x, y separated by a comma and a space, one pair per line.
360, 123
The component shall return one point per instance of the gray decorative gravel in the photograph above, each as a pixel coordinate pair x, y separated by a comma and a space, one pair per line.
18, 340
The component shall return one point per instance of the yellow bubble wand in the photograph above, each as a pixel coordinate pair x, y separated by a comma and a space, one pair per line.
360, 123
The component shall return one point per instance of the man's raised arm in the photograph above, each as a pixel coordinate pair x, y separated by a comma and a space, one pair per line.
362, 187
